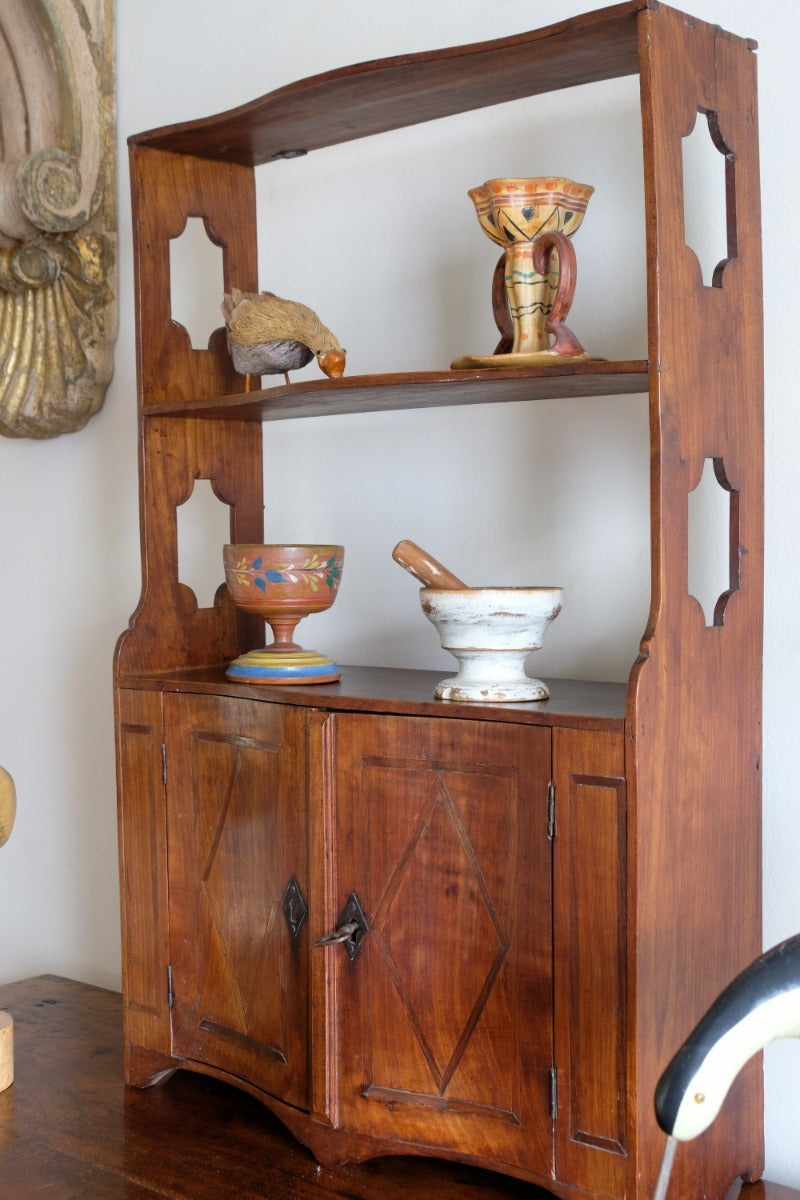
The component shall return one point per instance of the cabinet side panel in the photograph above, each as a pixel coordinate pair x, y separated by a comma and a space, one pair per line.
168, 628
167, 189
695, 695
589, 904
143, 882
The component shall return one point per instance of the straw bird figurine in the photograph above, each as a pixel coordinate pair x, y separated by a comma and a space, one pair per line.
271, 336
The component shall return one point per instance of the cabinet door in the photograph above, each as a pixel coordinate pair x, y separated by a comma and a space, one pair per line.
444, 1017
237, 847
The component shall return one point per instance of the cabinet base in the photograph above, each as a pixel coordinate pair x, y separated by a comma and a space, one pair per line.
147, 1068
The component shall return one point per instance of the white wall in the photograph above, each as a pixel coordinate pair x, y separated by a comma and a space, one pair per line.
380, 238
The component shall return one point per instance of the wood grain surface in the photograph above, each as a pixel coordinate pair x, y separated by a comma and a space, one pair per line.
374, 97
71, 1130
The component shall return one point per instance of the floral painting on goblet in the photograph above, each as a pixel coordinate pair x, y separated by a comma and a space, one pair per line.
282, 584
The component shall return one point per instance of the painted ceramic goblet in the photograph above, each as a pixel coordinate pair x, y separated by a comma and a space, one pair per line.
534, 282
282, 584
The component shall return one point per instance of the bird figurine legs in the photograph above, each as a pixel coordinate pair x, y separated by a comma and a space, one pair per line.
267, 335
249, 386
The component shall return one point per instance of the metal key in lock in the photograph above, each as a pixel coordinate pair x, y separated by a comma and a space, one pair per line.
342, 933
351, 928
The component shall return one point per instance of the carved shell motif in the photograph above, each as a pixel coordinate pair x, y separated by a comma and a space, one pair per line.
58, 315
54, 302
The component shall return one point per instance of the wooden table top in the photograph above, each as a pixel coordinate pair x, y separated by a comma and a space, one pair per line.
71, 1130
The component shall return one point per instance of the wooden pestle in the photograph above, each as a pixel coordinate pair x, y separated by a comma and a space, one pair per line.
424, 568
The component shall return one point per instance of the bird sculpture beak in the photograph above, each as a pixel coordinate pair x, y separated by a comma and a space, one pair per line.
332, 363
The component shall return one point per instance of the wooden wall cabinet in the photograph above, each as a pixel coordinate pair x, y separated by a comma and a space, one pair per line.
550, 894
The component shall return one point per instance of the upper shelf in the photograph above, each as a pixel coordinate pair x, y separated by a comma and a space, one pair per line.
391, 93
420, 389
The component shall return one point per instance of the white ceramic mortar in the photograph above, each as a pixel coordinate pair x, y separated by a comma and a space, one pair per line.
491, 631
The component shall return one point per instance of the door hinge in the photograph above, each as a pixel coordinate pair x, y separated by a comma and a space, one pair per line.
553, 1093
170, 991
164, 763
551, 810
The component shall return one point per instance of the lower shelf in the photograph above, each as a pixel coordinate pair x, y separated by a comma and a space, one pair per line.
586, 703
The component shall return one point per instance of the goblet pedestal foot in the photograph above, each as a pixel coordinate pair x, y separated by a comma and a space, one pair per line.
490, 690
283, 667
538, 358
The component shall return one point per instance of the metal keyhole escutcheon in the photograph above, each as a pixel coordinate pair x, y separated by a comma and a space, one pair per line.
295, 909
351, 928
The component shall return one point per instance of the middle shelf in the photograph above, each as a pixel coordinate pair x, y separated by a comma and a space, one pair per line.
416, 389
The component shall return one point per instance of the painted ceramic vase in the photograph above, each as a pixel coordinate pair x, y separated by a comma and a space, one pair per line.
491, 631
282, 584
533, 220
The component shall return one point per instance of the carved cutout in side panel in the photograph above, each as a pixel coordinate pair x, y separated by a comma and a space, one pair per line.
590, 973
709, 208
196, 282
713, 541
445, 1017
204, 526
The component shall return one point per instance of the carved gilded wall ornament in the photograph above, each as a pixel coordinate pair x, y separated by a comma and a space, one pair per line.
58, 219
8, 805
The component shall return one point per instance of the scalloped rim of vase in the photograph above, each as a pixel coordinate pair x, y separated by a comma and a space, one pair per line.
518, 190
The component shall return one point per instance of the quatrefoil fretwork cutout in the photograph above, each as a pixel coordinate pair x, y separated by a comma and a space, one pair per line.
713, 536
196, 282
709, 207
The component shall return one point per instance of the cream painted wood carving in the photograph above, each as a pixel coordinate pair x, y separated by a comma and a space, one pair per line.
8, 805
58, 222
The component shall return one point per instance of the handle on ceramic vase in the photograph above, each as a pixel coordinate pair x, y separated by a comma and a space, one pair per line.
500, 309
566, 343
424, 567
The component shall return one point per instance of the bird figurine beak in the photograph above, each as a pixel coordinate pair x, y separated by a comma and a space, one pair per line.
332, 363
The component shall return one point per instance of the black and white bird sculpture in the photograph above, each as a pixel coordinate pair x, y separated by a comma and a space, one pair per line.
761, 1005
